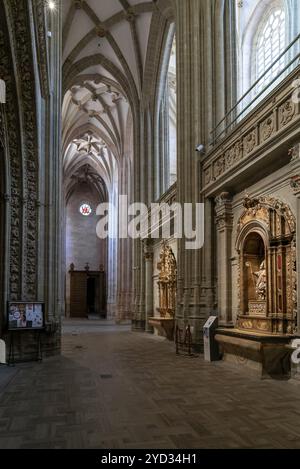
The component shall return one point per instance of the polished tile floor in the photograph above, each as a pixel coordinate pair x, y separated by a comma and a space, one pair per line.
112, 388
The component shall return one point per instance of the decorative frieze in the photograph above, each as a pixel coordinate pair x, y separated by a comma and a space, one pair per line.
286, 113
267, 127
250, 142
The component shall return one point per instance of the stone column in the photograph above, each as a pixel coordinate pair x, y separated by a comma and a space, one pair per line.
190, 133
201, 101
148, 255
224, 221
208, 280
295, 185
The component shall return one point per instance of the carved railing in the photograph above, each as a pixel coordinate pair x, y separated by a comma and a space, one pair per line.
286, 61
273, 122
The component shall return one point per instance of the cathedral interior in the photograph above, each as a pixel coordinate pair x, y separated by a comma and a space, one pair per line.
119, 328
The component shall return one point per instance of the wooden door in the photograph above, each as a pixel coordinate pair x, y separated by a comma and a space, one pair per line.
78, 300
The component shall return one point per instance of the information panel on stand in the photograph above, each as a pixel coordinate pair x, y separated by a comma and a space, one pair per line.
25, 316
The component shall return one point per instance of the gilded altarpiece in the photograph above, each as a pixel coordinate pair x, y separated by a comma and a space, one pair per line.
167, 282
266, 237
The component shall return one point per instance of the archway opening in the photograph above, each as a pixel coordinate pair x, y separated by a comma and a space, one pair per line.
254, 257
86, 253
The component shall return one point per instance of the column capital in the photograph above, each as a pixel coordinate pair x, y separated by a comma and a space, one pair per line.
148, 251
223, 199
224, 217
148, 256
295, 185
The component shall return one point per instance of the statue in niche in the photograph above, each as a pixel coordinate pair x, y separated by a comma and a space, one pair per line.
261, 282
167, 282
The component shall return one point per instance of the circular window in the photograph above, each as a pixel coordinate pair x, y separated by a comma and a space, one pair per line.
85, 210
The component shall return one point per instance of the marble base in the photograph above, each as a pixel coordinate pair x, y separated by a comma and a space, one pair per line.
269, 355
163, 327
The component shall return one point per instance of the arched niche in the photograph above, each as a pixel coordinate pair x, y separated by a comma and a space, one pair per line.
167, 282
267, 267
254, 268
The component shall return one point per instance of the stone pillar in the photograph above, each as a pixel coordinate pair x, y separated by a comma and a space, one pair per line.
201, 100
295, 185
208, 280
190, 77
138, 323
148, 255
224, 221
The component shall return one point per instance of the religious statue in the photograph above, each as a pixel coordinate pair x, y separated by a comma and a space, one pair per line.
261, 282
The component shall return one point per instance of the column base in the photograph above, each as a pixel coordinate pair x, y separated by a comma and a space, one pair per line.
138, 325
163, 327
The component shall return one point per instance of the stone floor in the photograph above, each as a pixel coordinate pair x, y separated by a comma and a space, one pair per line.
118, 389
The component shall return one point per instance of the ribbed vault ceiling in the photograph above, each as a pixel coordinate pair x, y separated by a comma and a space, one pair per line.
104, 52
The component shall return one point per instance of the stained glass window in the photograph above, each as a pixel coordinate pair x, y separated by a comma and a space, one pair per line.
85, 210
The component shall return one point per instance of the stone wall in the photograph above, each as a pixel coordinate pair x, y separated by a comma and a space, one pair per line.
31, 189
82, 243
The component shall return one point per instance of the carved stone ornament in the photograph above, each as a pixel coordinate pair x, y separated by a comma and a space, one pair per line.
295, 183
286, 112
257, 208
219, 167
23, 159
267, 128
223, 199
250, 142
294, 152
